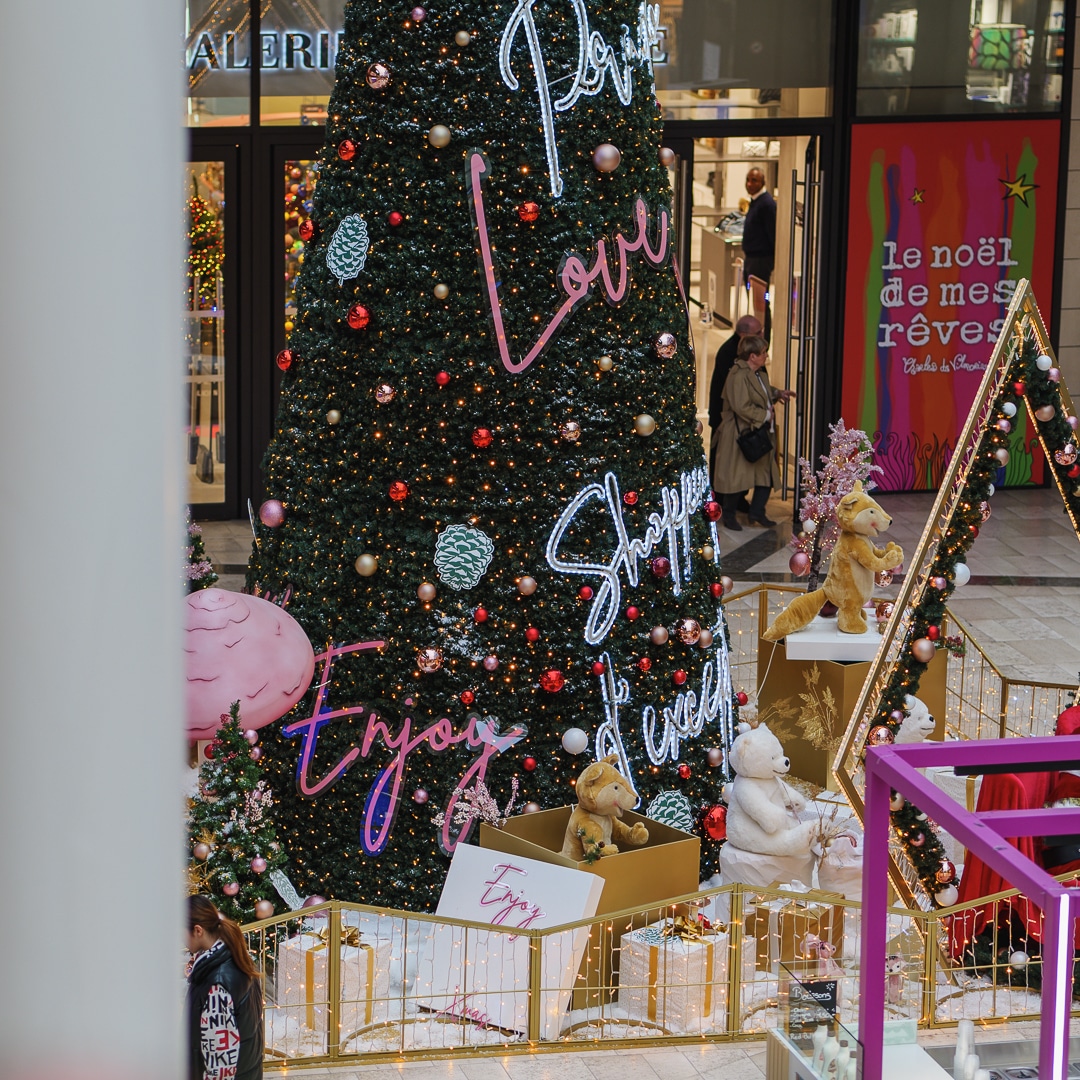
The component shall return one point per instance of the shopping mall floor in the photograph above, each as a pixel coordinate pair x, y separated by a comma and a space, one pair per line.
1021, 606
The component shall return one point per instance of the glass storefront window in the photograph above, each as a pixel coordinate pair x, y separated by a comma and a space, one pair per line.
730, 60
204, 362
218, 59
925, 57
298, 51
300, 180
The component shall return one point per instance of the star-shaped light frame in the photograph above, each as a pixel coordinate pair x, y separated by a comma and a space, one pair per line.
944, 542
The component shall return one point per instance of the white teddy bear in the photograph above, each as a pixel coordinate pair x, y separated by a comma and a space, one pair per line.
762, 810
918, 725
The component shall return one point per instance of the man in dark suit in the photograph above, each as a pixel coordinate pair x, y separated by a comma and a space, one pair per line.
725, 358
759, 236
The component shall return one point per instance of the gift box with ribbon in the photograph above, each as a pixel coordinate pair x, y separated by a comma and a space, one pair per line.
780, 925
673, 973
302, 978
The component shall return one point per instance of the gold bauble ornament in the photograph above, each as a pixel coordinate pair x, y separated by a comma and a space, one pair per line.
333, 416
426, 591
439, 136
644, 424
366, 565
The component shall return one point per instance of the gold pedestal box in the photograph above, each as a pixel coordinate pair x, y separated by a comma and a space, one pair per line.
668, 865
824, 694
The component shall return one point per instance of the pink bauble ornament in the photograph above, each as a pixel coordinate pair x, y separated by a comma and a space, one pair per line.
658, 635
252, 736
201, 852
418, 14
378, 76
688, 631
880, 736
255, 753
727, 583
606, 157
1073, 422
705, 639
918, 840
527, 585
715, 757
667, 157
1002, 455
896, 802
264, 909
425, 591
258, 864
314, 900
939, 582
799, 564
531, 808
429, 660
660, 566
1045, 413
923, 650
385, 393
491, 663
242, 648
420, 796
231, 888
1054, 375
272, 513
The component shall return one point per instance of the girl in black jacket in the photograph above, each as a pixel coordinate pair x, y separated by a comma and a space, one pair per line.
225, 1005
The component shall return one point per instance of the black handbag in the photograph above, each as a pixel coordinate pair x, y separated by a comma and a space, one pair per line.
755, 443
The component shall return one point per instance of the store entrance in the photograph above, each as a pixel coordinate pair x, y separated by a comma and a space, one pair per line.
749, 208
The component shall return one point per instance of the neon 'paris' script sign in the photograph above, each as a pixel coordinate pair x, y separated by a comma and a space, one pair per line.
596, 60
575, 279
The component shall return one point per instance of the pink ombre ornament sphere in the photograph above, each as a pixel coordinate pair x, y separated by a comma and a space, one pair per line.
242, 648
799, 564
264, 909
252, 736
272, 513
258, 864
255, 753
231, 888
314, 900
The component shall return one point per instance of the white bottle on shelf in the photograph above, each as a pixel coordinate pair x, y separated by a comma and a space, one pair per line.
852, 1071
828, 1056
821, 1033
971, 1066
843, 1061
965, 1044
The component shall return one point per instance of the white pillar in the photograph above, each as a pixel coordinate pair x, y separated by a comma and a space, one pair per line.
91, 889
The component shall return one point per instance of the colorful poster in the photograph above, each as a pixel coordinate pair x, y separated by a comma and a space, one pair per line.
944, 220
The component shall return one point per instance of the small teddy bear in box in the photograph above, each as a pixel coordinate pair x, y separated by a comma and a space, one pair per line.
603, 794
763, 810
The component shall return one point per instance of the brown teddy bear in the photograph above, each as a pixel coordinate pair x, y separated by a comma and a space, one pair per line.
852, 566
603, 794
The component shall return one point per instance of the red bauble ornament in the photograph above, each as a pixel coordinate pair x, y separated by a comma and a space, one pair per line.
285, 359
1019, 388
644, 664
552, 680
630, 498
480, 615
1074, 472
346, 150
684, 771
946, 873
632, 613
741, 698
678, 677
532, 634
660, 566
717, 590
974, 530
307, 229
598, 667
208, 751
467, 697
399, 491
585, 593
358, 316
529, 211
715, 823
442, 378
482, 437
713, 510
933, 632
529, 764
395, 218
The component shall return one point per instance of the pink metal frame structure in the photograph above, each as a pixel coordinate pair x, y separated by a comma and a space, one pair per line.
894, 767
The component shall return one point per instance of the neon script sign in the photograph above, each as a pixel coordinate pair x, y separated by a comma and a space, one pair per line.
671, 524
596, 60
384, 798
576, 280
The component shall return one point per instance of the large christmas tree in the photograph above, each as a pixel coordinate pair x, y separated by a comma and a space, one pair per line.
487, 458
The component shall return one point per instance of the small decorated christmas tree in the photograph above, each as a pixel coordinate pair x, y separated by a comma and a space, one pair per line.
847, 461
232, 843
199, 571
206, 251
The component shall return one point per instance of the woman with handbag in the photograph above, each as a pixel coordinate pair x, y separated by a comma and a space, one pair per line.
745, 451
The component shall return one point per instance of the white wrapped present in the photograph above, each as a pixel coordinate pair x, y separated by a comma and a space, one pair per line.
673, 976
780, 925
301, 979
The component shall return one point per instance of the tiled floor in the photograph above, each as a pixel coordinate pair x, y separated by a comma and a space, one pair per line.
1023, 606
